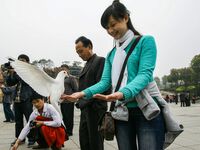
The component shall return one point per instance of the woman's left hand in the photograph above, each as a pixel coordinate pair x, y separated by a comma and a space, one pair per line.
109, 98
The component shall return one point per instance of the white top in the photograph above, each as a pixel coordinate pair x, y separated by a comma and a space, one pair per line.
48, 111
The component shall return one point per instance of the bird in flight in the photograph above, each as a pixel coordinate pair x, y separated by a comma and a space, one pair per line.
40, 81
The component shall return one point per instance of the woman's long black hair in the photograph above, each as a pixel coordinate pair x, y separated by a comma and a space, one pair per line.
118, 11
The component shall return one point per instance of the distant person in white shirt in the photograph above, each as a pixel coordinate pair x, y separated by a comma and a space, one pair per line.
47, 125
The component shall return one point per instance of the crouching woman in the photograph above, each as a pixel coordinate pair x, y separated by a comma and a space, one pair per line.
47, 125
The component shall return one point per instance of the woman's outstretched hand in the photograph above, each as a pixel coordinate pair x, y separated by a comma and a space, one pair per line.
73, 97
109, 98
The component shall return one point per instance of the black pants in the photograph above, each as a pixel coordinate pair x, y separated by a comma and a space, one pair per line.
22, 109
182, 103
39, 137
8, 112
90, 138
67, 110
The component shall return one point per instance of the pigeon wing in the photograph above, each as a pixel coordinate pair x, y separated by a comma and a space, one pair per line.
35, 77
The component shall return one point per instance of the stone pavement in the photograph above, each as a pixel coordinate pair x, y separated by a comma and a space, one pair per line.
188, 140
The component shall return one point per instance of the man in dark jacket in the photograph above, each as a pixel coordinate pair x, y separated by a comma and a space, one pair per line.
92, 110
22, 101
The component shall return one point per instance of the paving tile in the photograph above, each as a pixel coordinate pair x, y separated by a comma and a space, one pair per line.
188, 140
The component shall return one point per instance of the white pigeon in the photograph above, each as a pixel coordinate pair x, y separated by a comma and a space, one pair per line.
40, 81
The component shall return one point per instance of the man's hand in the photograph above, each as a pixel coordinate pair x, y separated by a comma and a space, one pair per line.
39, 123
109, 98
73, 97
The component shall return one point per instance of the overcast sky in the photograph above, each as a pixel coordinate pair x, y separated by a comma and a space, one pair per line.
48, 28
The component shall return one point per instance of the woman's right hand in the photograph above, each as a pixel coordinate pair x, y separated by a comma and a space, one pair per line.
73, 97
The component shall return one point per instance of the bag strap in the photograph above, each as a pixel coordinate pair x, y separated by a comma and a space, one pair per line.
123, 69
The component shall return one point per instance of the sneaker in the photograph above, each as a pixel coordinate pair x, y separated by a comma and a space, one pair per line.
13, 143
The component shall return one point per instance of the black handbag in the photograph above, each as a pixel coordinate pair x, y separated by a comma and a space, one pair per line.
107, 125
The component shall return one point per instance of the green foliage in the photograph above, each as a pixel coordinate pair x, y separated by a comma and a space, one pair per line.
195, 64
157, 79
183, 88
174, 76
44, 63
184, 79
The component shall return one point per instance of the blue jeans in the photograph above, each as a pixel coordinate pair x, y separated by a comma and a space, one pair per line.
9, 115
139, 133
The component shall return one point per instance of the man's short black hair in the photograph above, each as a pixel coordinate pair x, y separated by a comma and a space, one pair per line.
65, 66
36, 95
86, 42
23, 56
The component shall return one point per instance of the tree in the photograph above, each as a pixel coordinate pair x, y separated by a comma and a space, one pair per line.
76, 63
186, 75
35, 62
185, 79
174, 76
46, 63
195, 65
157, 79
164, 81
66, 62
42, 62
49, 63
75, 69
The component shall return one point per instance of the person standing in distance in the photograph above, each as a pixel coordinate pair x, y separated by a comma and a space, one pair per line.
67, 108
22, 101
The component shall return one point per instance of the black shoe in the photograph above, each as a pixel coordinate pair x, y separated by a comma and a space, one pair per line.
53, 147
12, 121
31, 144
6, 121
39, 147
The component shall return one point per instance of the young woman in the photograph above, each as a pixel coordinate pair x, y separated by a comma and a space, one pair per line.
137, 132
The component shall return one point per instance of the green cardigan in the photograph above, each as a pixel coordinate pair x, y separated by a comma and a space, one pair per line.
140, 67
